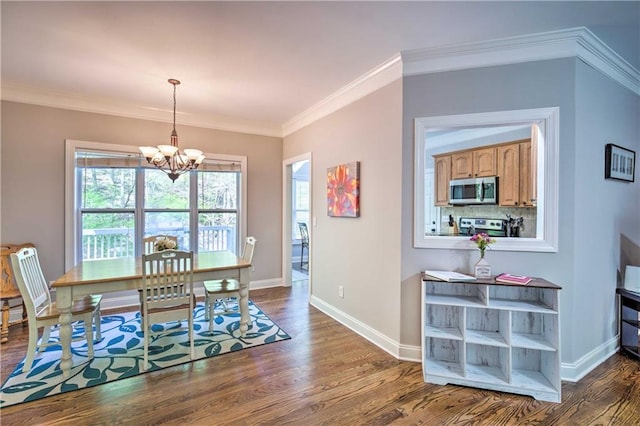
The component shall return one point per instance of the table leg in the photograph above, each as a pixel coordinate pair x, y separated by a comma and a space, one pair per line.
244, 301
64, 299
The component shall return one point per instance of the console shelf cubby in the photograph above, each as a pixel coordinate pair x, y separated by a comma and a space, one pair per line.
492, 336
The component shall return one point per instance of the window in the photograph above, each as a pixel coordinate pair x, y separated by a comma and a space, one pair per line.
114, 199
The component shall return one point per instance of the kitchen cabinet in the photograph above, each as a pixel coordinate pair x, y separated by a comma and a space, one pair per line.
515, 180
629, 322
509, 175
442, 178
493, 336
484, 162
461, 165
527, 183
512, 162
473, 163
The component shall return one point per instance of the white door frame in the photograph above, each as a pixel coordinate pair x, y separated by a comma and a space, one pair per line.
287, 219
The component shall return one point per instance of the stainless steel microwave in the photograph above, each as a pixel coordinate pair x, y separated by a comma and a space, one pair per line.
474, 191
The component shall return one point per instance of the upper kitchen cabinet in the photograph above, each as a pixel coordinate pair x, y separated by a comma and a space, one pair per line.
442, 177
484, 162
516, 183
461, 165
512, 162
527, 176
473, 163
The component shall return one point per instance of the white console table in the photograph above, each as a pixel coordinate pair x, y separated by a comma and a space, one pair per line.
503, 337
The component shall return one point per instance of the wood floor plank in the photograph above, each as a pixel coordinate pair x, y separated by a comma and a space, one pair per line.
324, 375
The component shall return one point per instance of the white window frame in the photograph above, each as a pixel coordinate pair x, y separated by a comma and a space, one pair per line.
548, 162
71, 203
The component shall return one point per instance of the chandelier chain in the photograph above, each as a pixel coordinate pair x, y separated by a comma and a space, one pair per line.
174, 106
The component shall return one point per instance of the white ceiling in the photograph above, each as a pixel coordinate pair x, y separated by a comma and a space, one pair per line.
254, 65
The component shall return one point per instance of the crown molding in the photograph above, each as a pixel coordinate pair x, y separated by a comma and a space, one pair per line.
65, 100
375, 79
574, 42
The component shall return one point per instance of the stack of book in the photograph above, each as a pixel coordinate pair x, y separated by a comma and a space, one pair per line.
513, 279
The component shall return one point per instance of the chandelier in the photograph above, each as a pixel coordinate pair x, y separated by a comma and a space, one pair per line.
168, 157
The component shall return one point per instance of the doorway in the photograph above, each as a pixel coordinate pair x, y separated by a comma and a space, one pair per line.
297, 220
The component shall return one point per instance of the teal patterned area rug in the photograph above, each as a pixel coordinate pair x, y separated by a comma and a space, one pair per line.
119, 354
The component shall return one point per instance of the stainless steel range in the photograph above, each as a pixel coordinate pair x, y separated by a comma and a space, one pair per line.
493, 227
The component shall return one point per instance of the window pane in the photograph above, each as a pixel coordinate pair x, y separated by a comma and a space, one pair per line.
302, 194
217, 231
107, 188
301, 205
168, 223
218, 190
161, 193
107, 235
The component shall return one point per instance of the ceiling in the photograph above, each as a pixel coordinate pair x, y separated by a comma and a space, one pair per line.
252, 66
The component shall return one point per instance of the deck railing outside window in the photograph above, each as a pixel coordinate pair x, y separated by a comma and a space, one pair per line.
120, 242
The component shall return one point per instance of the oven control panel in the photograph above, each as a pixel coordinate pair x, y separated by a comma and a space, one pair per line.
482, 224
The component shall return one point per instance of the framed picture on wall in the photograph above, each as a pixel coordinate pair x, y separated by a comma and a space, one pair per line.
619, 163
343, 190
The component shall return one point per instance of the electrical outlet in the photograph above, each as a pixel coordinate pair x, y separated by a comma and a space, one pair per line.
341, 291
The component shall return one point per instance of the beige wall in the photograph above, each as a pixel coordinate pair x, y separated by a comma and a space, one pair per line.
32, 175
362, 254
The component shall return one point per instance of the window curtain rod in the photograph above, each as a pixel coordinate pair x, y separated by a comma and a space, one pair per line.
101, 159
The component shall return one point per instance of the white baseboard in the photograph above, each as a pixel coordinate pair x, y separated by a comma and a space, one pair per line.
577, 370
410, 353
383, 342
569, 372
270, 283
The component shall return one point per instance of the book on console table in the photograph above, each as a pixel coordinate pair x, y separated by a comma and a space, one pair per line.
513, 279
449, 276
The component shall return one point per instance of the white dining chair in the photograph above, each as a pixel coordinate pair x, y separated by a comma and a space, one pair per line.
42, 311
222, 290
167, 293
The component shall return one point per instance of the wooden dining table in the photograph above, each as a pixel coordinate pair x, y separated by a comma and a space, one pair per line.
118, 274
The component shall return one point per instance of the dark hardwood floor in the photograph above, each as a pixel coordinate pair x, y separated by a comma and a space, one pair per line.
324, 375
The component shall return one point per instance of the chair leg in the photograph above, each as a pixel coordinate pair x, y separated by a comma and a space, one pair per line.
206, 305
211, 305
191, 337
97, 320
145, 328
31, 347
88, 332
301, 255
46, 332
